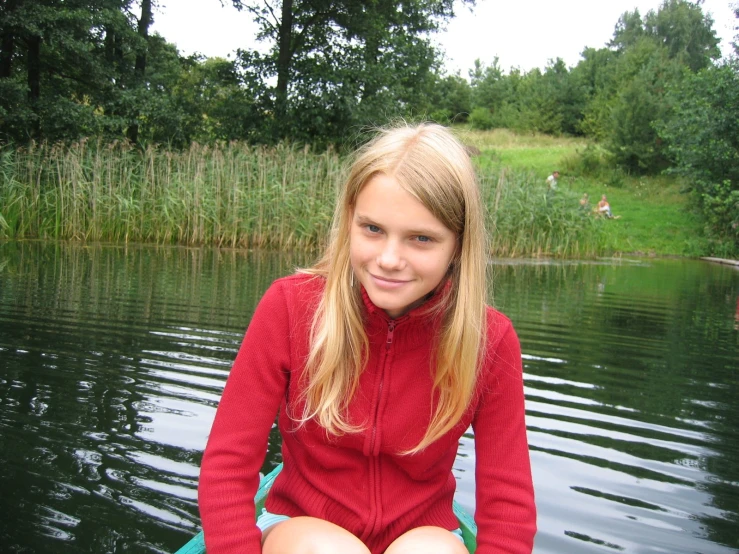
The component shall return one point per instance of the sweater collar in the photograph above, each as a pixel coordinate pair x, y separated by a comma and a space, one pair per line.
429, 306
415, 327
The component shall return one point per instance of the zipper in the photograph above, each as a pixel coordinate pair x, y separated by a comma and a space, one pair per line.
388, 344
374, 461
390, 331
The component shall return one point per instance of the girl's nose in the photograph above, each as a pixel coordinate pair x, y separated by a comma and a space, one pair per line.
390, 257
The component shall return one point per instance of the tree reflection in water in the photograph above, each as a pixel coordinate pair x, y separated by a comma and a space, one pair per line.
113, 358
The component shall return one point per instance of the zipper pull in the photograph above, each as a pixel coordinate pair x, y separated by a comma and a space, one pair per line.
390, 331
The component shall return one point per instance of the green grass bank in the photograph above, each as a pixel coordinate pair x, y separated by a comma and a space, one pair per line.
654, 214
282, 197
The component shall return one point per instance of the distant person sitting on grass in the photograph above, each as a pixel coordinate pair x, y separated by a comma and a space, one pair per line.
604, 208
585, 202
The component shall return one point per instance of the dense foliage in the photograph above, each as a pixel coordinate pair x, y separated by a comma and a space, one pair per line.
78, 68
341, 64
72, 69
702, 134
613, 95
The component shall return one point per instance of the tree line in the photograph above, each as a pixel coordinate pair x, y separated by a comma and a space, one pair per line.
616, 95
80, 68
655, 98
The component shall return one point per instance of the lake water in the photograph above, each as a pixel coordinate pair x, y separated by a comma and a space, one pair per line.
113, 358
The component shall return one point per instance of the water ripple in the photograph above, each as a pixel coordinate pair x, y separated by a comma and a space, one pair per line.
112, 363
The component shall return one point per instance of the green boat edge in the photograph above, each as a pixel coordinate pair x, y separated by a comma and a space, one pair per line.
196, 545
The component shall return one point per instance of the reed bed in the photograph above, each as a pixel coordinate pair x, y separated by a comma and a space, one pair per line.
241, 196
526, 221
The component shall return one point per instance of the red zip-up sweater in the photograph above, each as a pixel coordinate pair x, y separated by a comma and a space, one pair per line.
359, 480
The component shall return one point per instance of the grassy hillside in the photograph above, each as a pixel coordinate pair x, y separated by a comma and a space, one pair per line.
654, 216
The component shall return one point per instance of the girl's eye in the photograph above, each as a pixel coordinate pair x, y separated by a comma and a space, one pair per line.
423, 238
373, 228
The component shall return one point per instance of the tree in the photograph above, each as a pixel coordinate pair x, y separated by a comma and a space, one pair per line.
596, 76
685, 31
702, 133
77, 68
650, 53
629, 29
451, 99
679, 25
643, 74
223, 102
569, 94
45, 56
548, 102
340, 64
488, 85
63, 67
141, 50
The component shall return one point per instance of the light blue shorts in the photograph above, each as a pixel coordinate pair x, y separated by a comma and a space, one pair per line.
267, 520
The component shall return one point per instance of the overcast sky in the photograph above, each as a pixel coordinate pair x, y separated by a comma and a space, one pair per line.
522, 33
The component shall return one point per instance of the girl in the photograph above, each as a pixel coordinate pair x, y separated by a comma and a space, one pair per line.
378, 359
604, 208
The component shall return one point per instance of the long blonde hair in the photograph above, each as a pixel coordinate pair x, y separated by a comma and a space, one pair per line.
432, 165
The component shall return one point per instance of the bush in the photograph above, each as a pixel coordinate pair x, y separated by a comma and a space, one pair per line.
720, 206
616, 178
481, 119
442, 117
592, 161
702, 134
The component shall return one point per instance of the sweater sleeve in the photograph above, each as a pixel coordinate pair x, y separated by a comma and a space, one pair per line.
237, 445
505, 510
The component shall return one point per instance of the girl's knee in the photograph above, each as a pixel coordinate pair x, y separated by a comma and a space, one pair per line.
308, 535
427, 540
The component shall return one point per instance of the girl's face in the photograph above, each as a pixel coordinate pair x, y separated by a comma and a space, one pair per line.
399, 251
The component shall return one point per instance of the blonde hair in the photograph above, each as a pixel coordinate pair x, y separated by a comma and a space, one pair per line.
428, 162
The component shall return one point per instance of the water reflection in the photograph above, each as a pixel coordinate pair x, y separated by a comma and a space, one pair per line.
112, 361
621, 361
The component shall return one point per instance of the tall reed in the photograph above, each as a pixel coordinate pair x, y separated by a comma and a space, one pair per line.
237, 195
527, 221
226, 195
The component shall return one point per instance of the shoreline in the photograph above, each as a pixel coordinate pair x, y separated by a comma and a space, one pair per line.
724, 261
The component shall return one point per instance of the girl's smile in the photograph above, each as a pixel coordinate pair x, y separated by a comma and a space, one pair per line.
387, 283
399, 250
